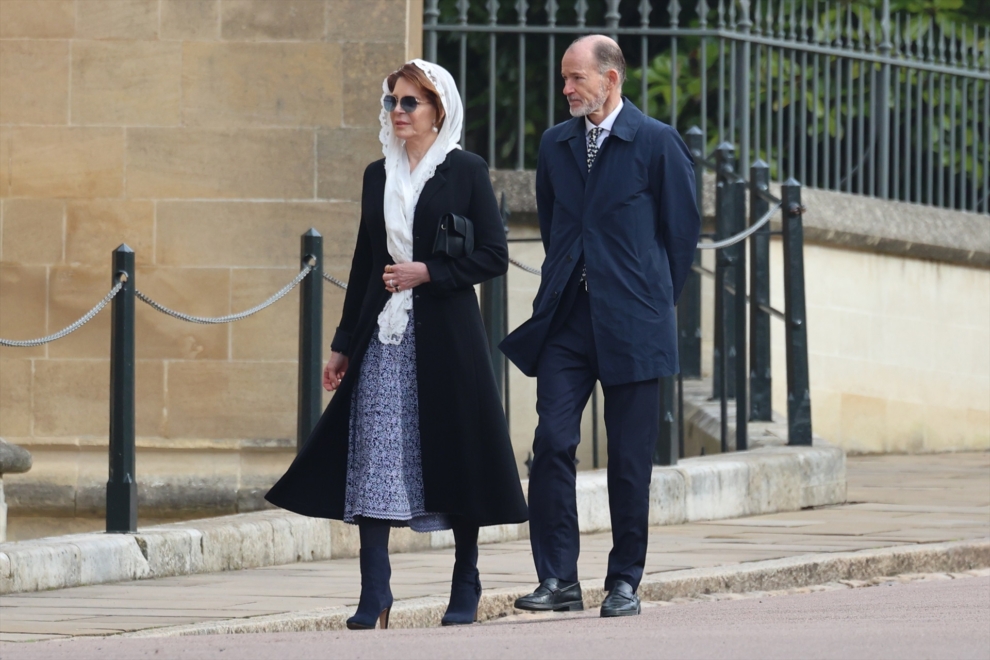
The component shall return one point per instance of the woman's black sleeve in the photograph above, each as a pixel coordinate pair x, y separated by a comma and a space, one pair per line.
357, 288
491, 253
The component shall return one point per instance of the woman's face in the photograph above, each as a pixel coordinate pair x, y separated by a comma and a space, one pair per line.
418, 123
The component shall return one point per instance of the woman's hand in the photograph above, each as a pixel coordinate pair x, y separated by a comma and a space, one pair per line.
401, 277
334, 372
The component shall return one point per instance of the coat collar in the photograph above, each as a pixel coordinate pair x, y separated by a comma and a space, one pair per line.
626, 124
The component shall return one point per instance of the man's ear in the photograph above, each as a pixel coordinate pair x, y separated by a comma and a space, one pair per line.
613, 78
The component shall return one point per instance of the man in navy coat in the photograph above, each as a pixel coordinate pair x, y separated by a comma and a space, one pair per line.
616, 201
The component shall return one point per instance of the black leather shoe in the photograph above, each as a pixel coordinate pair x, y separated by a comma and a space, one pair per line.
553, 596
621, 601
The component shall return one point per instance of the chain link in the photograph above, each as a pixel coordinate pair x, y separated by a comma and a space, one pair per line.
70, 329
528, 269
230, 318
333, 280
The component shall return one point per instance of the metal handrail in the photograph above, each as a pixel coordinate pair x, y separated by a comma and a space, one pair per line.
744, 234
772, 311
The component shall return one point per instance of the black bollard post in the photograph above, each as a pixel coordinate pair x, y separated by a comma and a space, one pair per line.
689, 305
759, 294
666, 449
722, 379
796, 327
122, 500
739, 314
495, 316
310, 392
724, 318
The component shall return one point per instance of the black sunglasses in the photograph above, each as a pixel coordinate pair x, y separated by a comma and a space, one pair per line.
407, 103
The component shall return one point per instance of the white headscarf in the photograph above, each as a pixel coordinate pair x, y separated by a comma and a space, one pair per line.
402, 188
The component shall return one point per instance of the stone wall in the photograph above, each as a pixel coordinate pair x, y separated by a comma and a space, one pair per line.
899, 350
207, 135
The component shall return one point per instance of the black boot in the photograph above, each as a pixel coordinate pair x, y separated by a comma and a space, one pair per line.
376, 595
465, 585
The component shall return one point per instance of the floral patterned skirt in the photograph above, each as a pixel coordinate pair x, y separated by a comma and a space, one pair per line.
384, 461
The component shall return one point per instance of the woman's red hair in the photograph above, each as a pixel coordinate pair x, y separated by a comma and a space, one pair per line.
415, 75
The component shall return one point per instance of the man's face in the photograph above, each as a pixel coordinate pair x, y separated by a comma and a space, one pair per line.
586, 89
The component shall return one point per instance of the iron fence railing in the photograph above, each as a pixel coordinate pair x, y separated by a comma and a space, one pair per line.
839, 95
741, 350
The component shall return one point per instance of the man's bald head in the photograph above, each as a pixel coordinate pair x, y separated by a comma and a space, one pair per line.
605, 52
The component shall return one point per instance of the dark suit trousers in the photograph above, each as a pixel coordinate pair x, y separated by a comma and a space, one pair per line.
566, 375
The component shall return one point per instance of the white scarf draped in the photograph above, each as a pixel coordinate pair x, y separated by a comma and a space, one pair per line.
402, 189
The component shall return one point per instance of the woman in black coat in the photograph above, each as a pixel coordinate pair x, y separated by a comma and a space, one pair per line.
415, 434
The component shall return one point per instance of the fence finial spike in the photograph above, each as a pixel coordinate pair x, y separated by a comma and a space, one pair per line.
123, 247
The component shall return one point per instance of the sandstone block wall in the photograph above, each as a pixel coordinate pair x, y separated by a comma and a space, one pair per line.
899, 348
207, 135
899, 351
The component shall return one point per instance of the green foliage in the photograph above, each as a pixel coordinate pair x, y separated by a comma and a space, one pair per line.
946, 11
682, 86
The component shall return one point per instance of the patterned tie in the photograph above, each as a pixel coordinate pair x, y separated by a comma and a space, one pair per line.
593, 135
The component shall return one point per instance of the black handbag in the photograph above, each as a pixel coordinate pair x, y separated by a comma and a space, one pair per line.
455, 236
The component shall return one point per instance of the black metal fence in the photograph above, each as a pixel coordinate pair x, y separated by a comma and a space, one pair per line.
840, 95
742, 328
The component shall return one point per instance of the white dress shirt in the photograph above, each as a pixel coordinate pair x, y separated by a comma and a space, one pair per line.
606, 125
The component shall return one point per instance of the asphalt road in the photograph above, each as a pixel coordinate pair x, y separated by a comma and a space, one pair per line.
930, 620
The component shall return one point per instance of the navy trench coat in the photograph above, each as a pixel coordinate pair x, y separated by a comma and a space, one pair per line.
635, 219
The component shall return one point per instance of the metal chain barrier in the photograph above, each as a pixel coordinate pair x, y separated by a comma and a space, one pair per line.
70, 329
528, 269
230, 318
333, 280
743, 235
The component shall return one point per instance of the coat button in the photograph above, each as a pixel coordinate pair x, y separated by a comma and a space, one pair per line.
419, 324
569, 258
416, 237
416, 296
554, 294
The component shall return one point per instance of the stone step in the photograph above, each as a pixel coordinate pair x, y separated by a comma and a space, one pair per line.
765, 480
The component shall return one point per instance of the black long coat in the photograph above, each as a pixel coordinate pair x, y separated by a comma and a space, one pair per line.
468, 465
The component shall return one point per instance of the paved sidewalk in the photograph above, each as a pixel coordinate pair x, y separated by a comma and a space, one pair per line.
893, 501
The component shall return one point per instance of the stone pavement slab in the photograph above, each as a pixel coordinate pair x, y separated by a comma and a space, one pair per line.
878, 517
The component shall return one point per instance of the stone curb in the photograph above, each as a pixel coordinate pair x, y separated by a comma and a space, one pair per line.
760, 481
769, 575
